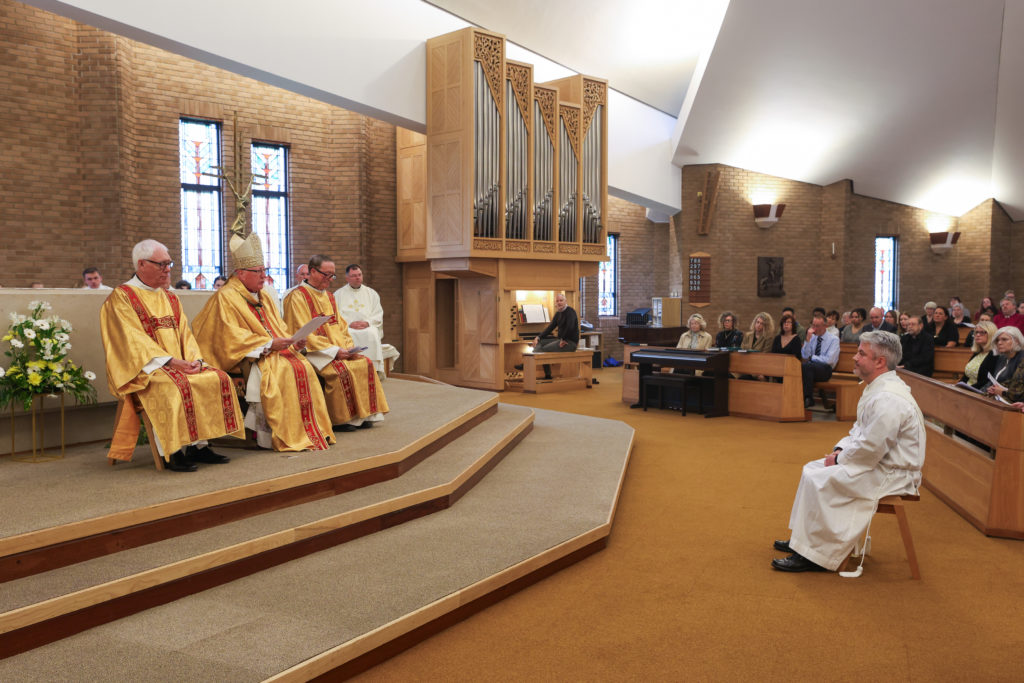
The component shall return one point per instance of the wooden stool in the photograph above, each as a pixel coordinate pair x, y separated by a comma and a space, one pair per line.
132, 403
894, 505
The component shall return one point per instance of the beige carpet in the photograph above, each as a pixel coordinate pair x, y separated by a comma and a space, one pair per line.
84, 485
539, 496
684, 592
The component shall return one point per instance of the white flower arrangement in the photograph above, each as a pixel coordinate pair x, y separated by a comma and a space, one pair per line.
39, 363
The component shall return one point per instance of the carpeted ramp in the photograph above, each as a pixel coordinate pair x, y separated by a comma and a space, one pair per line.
339, 607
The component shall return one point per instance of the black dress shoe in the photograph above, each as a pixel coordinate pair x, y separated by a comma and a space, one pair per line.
808, 403
518, 366
783, 547
796, 563
178, 463
205, 456
345, 428
366, 424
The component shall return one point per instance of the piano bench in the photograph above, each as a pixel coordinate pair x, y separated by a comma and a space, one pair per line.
675, 381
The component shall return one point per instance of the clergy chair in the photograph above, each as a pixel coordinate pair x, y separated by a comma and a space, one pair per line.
132, 403
893, 505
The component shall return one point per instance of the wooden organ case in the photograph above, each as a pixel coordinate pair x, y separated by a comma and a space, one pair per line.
507, 192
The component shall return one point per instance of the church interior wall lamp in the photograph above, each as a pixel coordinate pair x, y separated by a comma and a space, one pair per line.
942, 234
942, 242
767, 215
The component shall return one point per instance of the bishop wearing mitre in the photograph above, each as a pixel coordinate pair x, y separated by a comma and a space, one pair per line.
355, 398
153, 358
241, 330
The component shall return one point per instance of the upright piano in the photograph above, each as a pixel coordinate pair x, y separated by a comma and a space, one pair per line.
717, 362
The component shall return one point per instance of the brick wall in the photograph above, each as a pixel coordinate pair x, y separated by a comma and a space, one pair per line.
90, 120
816, 218
643, 261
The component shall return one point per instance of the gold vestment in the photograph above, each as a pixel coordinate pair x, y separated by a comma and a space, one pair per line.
139, 325
234, 323
352, 388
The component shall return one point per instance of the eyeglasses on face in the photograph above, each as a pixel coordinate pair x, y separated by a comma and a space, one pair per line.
329, 276
261, 271
161, 264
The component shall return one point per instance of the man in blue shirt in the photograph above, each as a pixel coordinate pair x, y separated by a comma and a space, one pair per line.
820, 354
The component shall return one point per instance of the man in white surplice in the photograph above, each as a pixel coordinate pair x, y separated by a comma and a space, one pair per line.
882, 456
360, 306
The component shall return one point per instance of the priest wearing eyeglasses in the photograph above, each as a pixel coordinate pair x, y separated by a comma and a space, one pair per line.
355, 397
153, 358
240, 330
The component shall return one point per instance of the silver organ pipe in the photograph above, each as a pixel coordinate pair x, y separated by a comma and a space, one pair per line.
516, 158
592, 179
543, 177
567, 185
487, 161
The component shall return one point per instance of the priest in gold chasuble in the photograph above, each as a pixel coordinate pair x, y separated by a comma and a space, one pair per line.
152, 357
240, 329
355, 398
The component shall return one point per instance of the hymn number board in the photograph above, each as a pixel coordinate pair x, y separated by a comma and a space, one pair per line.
700, 279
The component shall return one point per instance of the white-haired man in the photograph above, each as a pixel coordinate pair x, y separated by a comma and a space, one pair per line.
153, 357
882, 456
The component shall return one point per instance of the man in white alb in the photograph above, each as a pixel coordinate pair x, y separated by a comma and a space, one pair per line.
360, 306
882, 456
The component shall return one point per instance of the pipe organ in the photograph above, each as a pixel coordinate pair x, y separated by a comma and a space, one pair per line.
508, 169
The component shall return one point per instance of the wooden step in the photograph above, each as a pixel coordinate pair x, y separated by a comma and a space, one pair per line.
45, 607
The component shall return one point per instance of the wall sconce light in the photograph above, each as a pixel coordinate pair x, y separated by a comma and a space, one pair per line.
941, 242
767, 215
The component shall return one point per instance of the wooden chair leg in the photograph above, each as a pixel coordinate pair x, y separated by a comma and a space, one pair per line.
157, 460
908, 540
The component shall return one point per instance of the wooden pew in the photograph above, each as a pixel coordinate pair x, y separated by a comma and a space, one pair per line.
987, 489
844, 384
783, 402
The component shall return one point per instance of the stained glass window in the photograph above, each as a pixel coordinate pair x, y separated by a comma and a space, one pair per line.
608, 280
270, 218
885, 273
201, 201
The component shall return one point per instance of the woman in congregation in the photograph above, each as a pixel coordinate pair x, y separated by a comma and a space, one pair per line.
1009, 371
852, 332
901, 329
984, 359
942, 329
832, 322
956, 315
983, 317
787, 341
986, 303
892, 316
761, 334
729, 336
695, 338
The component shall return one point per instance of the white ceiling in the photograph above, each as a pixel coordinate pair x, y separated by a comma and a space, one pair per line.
917, 101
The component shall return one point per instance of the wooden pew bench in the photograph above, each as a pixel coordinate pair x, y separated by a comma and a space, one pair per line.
844, 384
569, 370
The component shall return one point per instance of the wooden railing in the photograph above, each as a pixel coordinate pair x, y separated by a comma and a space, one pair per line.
987, 489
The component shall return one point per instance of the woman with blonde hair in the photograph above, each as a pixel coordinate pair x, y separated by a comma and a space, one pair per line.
761, 334
984, 360
695, 337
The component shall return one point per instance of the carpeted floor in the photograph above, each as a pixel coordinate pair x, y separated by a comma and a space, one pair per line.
81, 485
684, 590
